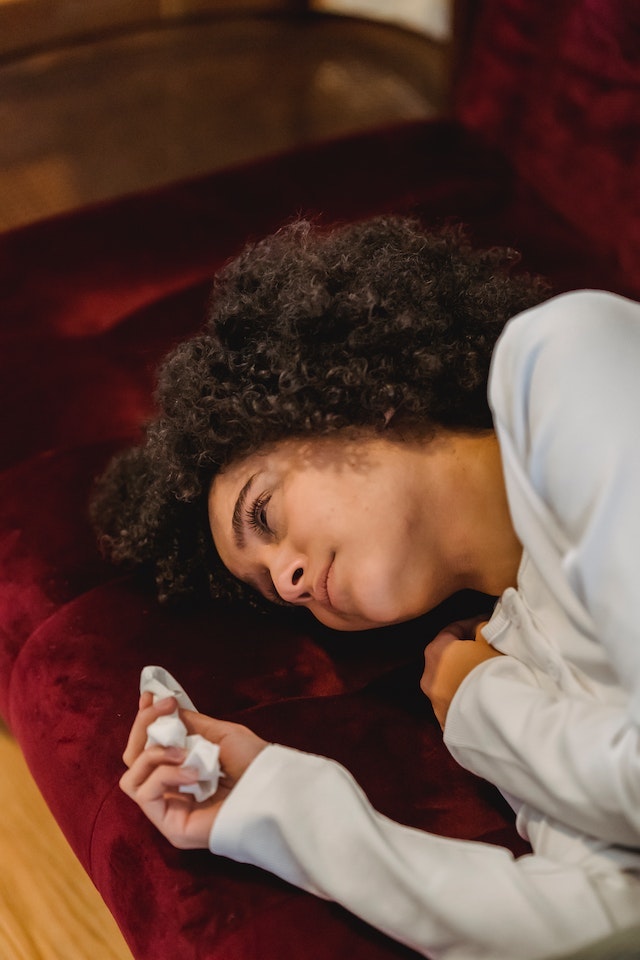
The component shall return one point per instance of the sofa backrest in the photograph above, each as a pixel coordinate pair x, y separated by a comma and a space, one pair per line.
555, 86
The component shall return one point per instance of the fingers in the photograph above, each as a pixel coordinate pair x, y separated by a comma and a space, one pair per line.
447, 666
464, 629
239, 746
455, 631
146, 699
440, 642
209, 727
156, 772
153, 782
147, 713
214, 730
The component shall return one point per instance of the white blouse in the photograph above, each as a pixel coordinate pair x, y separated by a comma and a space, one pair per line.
555, 725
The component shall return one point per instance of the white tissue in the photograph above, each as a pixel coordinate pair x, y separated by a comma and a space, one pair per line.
167, 731
170, 731
204, 756
161, 684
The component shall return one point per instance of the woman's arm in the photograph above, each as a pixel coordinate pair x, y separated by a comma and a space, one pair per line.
565, 389
305, 819
577, 761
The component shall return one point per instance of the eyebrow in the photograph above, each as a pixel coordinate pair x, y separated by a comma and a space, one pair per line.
237, 523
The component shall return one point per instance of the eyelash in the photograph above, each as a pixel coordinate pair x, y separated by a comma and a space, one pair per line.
256, 515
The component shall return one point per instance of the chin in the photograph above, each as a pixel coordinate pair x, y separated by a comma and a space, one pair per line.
377, 616
345, 622
385, 611
369, 612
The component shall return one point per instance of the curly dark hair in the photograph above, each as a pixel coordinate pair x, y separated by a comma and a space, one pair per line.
376, 324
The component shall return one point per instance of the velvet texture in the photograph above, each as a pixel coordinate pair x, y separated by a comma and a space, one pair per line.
557, 92
90, 303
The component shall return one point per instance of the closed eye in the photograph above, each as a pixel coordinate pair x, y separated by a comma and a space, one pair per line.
256, 514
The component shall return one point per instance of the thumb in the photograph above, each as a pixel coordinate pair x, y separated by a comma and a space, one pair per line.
239, 746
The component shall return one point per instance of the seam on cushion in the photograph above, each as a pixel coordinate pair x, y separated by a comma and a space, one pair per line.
290, 891
108, 793
110, 790
35, 632
57, 454
27, 642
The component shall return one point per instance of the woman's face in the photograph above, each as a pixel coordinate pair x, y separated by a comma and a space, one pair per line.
350, 528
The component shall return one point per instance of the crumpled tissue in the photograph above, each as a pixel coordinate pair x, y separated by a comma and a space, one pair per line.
170, 731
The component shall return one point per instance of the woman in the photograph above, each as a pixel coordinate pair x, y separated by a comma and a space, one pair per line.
327, 442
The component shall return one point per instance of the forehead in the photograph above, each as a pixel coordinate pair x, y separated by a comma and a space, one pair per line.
319, 453
276, 460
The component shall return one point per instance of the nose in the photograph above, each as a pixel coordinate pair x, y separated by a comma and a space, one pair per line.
290, 581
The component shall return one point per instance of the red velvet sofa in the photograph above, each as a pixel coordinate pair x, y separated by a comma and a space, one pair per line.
541, 152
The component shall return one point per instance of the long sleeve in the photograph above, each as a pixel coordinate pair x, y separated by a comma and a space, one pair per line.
305, 819
575, 760
565, 390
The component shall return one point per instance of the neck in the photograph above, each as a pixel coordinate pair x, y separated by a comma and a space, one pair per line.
482, 546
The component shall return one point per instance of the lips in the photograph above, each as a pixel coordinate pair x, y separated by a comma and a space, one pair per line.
322, 592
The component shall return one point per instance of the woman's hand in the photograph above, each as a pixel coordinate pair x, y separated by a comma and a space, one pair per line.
449, 658
155, 774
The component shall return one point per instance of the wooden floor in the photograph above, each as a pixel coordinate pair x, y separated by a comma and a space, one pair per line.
114, 116
49, 909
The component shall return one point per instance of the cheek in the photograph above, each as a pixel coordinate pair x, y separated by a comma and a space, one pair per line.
384, 588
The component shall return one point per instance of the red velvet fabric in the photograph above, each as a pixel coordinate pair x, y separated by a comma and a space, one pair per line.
556, 88
90, 302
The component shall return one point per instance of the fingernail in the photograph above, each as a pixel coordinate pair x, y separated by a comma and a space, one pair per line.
166, 702
175, 753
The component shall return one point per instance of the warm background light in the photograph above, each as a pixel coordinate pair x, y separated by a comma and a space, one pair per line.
104, 97
431, 16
